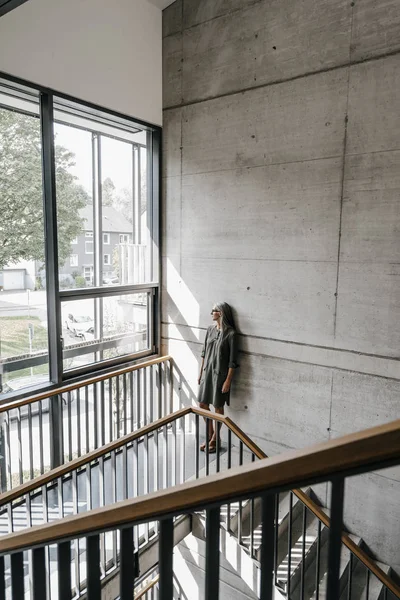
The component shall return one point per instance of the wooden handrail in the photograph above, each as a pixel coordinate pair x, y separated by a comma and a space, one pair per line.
76, 463
148, 587
70, 387
338, 457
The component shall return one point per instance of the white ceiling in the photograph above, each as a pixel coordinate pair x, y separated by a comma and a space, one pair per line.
161, 3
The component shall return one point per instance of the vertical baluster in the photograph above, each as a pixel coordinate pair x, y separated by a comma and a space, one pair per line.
74, 482
102, 414
28, 508
318, 561
385, 592
2, 579
252, 518
139, 397
110, 409
350, 577
136, 484
212, 553
165, 457
173, 452
78, 421
93, 567
228, 512
41, 461
303, 553
151, 393
367, 585
20, 469
131, 399
124, 402
335, 541
207, 448
69, 426
30, 441
102, 500
165, 389
10, 517
114, 499
197, 443
170, 367
39, 574
146, 478
159, 399
289, 561
267, 546
127, 567
156, 461
117, 405
60, 497
64, 570
240, 521
276, 538
7, 422
182, 425
96, 413
165, 556
125, 472
144, 394
17, 582
87, 417
217, 447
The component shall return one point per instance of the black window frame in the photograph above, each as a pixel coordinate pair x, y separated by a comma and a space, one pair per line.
55, 296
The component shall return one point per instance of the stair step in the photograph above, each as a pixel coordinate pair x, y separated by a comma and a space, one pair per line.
359, 584
343, 571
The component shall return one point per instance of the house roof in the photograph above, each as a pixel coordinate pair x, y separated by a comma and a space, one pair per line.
113, 220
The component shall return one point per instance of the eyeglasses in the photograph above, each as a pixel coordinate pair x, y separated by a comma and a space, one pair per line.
215, 310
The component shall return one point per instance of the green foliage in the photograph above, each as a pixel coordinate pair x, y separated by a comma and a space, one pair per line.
80, 281
21, 196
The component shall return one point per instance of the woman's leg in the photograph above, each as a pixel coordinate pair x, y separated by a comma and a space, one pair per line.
213, 439
210, 424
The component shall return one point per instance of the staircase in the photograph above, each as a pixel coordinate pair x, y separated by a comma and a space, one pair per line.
132, 501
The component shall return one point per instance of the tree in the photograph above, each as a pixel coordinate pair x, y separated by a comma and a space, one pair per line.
21, 195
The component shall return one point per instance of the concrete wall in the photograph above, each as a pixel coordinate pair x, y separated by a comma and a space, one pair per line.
104, 52
282, 197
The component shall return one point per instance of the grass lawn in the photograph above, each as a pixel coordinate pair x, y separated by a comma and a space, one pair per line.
14, 340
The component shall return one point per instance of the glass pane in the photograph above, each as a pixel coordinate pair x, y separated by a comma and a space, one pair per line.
124, 197
74, 180
116, 205
23, 306
104, 328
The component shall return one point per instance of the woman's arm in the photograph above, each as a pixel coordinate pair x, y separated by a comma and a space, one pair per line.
203, 353
201, 370
227, 383
233, 351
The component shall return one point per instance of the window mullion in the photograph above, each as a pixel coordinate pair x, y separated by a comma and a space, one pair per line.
51, 241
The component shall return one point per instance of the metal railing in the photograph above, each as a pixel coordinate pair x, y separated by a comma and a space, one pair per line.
161, 454
45, 430
260, 482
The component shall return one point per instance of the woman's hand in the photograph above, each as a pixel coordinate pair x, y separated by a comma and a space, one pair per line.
226, 386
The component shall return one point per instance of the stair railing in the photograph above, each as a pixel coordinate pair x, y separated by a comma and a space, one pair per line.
159, 455
47, 429
332, 461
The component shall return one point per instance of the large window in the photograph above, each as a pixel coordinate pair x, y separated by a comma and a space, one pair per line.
91, 176
23, 301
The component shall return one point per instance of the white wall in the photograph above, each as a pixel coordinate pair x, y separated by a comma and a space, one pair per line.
104, 52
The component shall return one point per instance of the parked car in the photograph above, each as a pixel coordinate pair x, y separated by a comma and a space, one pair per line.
110, 280
80, 325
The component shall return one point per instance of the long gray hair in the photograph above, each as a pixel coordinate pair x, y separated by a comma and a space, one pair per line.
227, 319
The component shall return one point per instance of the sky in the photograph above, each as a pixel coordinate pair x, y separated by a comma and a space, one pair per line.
116, 157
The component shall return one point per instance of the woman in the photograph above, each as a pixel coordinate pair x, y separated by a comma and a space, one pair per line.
219, 361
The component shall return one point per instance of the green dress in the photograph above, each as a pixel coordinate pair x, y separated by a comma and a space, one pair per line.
220, 354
